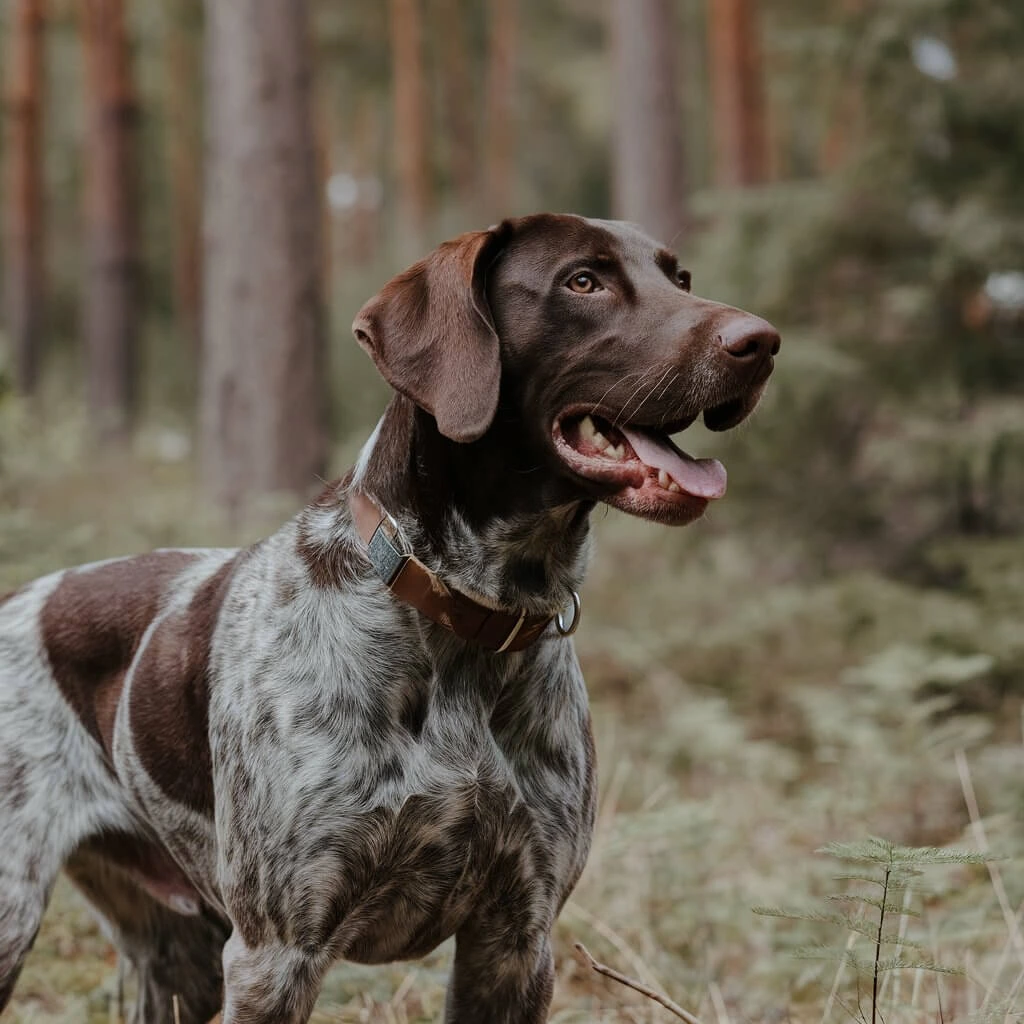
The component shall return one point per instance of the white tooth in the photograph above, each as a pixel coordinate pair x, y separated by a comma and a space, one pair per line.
618, 453
674, 487
587, 428
663, 478
599, 441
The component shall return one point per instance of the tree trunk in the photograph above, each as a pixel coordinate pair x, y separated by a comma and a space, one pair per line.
456, 90
24, 190
649, 175
263, 402
411, 153
737, 93
323, 96
111, 243
500, 139
356, 229
181, 85
843, 97
845, 118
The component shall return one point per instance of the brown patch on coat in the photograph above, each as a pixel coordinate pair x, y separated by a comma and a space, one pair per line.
147, 863
169, 703
92, 625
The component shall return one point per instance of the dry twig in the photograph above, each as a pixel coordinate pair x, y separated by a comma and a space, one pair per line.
584, 957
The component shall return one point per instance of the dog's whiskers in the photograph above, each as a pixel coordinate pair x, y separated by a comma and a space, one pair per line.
654, 388
650, 373
665, 389
622, 380
643, 380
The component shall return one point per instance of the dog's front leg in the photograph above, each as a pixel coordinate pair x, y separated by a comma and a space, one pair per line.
269, 984
501, 976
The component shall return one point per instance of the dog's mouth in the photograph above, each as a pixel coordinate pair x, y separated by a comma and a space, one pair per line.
649, 474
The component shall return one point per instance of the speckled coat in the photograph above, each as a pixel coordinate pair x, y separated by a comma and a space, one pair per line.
215, 740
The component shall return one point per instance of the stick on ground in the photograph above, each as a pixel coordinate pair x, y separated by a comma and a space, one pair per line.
584, 957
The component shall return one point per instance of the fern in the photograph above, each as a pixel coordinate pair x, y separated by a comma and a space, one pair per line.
885, 870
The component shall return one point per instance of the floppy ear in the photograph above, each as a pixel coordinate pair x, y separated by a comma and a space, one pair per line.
431, 334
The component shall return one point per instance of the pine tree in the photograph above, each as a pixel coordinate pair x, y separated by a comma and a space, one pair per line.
23, 186
262, 422
113, 275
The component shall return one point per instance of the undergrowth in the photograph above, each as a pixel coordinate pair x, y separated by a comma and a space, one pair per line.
749, 709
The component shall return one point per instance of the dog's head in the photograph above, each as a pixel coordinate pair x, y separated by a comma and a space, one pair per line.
586, 337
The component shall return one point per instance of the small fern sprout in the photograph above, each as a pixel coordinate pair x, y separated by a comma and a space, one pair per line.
880, 882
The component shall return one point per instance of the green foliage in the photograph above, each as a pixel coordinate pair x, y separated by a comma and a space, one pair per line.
900, 262
898, 863
889, 869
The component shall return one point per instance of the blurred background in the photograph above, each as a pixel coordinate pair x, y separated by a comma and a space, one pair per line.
198, 197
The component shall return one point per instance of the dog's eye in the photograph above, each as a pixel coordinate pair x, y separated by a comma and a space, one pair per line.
683, 280
583, 283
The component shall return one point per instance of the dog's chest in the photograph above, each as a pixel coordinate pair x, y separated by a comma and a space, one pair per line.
374, 814
410, 874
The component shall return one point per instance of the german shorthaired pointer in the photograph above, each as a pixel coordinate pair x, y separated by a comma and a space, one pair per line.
368, 732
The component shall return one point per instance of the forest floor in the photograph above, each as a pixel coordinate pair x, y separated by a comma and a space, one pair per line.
746, 714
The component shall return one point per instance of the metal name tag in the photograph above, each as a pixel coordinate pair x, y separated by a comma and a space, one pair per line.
385, 558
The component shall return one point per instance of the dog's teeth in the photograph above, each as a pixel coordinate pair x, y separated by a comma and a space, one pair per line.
587, 428
600, 442
663, 478
617, 452
675, 488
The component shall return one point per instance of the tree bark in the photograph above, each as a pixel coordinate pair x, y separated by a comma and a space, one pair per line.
411, 153
500, 138
737, 93
357, 230
456, 93
111, 231
181, 85
263, 400
649, 173
323, 96
843, 99
24, 190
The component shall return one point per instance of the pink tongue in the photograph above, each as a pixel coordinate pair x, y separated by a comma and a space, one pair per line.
702, 478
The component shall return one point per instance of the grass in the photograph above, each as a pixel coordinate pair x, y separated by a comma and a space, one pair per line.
747, 713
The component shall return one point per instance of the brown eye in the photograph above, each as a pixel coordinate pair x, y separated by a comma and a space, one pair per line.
583, 283
683, 279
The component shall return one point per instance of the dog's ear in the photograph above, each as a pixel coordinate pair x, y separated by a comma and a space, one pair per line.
431, 334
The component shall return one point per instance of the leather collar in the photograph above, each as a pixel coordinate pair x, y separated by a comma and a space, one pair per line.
412, 582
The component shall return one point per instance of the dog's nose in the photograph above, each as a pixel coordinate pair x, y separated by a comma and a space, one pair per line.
749, 339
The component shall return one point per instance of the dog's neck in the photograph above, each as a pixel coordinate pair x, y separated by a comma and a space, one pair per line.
476, 513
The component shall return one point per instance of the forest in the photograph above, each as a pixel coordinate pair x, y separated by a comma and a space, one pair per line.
809, 705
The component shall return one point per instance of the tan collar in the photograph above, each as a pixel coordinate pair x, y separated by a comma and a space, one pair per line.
411, 581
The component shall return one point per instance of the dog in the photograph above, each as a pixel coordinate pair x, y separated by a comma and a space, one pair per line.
369, 732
